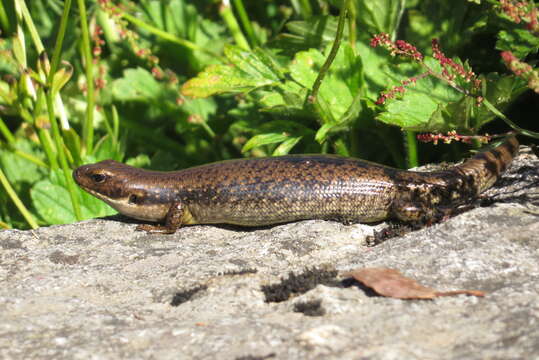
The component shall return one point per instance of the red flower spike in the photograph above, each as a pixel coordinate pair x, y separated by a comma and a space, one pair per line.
452, 136
448, 63
400, 47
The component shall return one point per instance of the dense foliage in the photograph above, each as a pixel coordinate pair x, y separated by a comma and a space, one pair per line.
174, 83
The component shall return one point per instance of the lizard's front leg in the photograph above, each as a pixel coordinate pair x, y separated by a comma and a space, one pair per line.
173, 221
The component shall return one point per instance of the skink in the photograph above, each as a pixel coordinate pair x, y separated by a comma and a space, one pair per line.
264, 191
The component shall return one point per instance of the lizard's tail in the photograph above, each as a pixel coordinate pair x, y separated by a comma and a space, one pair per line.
485, 168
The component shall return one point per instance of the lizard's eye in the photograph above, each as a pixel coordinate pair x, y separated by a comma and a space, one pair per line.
133, 199
98, 178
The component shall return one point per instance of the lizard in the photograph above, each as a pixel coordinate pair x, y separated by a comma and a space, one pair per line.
273, 190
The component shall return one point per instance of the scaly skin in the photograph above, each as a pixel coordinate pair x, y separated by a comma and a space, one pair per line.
264, 191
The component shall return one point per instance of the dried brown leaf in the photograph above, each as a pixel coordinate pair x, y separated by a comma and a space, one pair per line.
391, 283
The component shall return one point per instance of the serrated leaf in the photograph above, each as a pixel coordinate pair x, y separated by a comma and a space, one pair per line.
248, 70
520, 42
422, 105
432, 105
256, 63
219, 79
136, 85
414, 112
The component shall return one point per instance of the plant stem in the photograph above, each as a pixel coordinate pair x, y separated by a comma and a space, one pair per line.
230, 20
43, 134
244, 18
31, 27
17, 201
4, 19
52, 118
208, 129
62, 155
108, 27
402, 7
88, 129
509, 122
411, 149
352, 29
56, 55
164, 35
334, 49
5, 131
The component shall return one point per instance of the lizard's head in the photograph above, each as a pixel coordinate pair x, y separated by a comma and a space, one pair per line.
127, 189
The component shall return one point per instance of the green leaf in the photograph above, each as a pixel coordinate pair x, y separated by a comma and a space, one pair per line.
380, 15
422, 105
520, 42
249, 70
52, 203
72, 141
8, 61
257, 63
433, 105
287, 99
136, 85
18, 170
416, 111
201, 107
500, 91
19, 49
51, 199
379, 69
316, 32
219, 79
323, 132
108, 148
61, 77
452, 22
264, 139
287, 145
183, 20
141, 160
341, 84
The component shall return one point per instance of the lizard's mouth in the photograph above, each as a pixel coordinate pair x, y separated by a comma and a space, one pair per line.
83, 180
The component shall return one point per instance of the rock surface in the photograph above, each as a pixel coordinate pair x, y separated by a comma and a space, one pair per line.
99, 290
